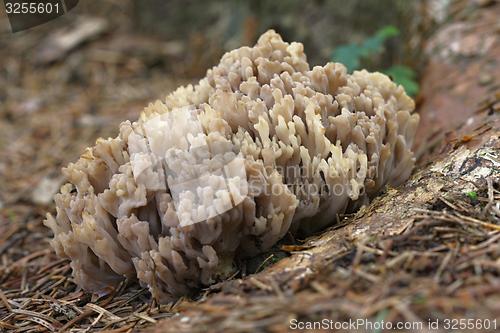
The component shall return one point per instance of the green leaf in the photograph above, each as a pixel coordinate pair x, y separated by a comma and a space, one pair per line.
375, 44
387, 32
349, 55
401, 71
404, 76
411, 87
371, 46
472, 195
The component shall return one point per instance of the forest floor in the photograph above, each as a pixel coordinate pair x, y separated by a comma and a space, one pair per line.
427, 250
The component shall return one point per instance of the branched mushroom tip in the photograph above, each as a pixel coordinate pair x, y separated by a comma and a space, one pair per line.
261, 146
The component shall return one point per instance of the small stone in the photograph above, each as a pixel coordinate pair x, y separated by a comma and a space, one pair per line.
485, 79
45, 190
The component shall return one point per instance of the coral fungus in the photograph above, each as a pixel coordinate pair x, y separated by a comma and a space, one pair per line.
262, 146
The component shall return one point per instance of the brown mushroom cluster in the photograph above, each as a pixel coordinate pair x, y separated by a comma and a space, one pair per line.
262, 146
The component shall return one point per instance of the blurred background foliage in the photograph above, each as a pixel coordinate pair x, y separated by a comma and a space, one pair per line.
181, 39
355, 55
360, 33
